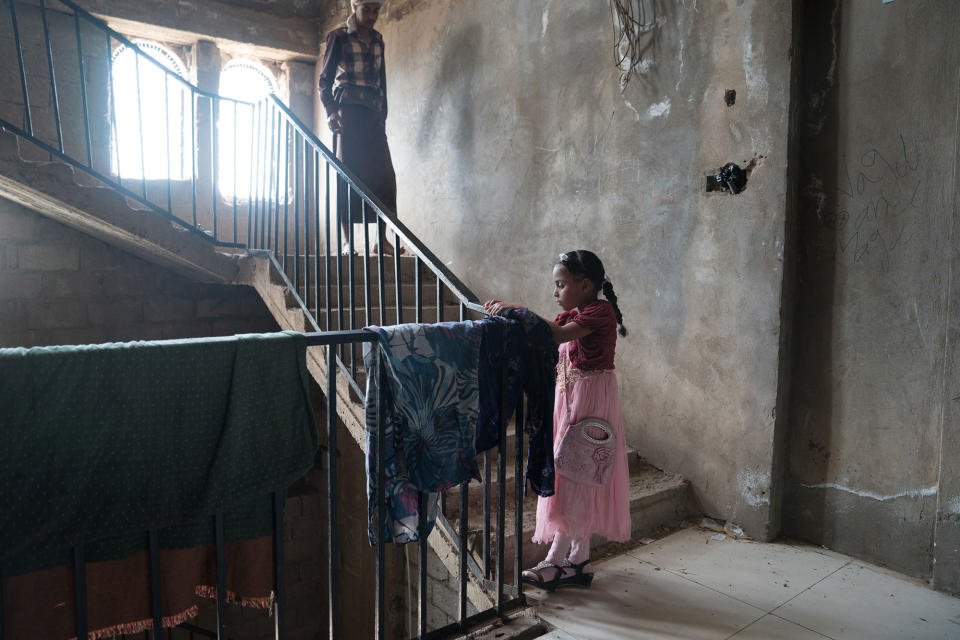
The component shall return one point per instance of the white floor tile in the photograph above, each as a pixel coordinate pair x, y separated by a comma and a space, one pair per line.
764, 575
773, 628
557, 634
858, 602
631, 599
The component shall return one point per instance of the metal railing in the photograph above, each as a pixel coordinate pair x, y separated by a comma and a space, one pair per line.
286, 208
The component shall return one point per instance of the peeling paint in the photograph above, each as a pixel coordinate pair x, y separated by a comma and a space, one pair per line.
754, 487
659, 109
753, 69
546, 18
632, 108
911, 493
953, 506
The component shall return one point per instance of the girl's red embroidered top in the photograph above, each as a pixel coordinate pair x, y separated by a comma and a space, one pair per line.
595, 350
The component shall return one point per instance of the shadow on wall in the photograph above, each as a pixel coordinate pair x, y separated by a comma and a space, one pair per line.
453, 87
811, 405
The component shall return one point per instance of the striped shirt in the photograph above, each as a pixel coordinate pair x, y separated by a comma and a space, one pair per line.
353, 71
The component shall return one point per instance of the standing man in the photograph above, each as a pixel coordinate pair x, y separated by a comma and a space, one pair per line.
353, 89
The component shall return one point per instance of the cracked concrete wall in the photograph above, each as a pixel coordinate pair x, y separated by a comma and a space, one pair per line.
874, 431
513, 142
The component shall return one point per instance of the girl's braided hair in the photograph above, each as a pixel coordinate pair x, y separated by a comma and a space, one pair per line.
585, 264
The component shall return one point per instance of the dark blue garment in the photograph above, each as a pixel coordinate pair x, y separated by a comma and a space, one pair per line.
519, 355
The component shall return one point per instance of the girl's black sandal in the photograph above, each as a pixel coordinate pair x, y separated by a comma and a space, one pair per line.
537, 579
577, 579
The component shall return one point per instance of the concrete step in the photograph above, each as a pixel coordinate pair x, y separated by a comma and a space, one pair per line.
657, 499
636, 465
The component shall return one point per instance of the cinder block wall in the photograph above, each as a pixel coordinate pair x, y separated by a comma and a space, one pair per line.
59, 286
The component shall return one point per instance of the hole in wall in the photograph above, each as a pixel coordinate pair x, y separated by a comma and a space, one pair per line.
731, 177
730, 97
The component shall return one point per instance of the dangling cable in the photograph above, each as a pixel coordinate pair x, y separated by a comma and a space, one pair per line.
629, 23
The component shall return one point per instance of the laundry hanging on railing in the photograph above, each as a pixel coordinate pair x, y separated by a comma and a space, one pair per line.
429, 395
436, 382
519, 349
101, 443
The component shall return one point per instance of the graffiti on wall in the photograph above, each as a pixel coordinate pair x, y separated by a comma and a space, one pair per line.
879, 200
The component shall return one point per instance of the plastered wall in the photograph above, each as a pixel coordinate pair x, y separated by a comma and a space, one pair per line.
513, 142
873, 423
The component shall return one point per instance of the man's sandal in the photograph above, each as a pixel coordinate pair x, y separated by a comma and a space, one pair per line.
577, 579
534, 576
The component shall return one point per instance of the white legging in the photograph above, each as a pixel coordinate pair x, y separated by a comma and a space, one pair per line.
578, 548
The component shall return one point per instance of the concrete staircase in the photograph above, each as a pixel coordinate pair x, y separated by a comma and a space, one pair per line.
53, 189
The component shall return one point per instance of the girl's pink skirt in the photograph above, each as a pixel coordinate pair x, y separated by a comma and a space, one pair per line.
580, 510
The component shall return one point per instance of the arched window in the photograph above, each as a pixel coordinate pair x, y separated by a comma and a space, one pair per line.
153, 136
241, 128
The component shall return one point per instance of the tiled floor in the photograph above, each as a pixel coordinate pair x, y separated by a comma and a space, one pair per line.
690, 586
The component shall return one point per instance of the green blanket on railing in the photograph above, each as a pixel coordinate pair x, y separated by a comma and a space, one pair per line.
99, 443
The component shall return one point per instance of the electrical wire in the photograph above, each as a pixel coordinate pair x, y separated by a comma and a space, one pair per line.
629, 24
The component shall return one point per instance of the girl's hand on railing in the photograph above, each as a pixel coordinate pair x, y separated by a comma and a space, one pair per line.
496, 307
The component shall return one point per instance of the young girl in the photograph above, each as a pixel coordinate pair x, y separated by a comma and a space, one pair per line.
586, 330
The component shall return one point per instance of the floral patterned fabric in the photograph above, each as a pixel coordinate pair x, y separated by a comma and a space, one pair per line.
429, 397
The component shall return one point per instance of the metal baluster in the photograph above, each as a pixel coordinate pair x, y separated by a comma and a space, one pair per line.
183, 148
80, 591
23, 74
418, 288
279, 591
83, 90
341, 184
520, 485
381, 287
422, 546
464, 517
221, 577
380, 530
306, 227
487, 473
143, 161
439, 299
281, 141
166, 115
296, 215
443, 494
113, 107
155, 592
462, 550
53, 77
316, 225
215, 162
254, 160
351, 276
234, 145
193, 157
253, 208
286, 195
333, 589
502, 496
269, 199
326, 242
397, 277
366, 263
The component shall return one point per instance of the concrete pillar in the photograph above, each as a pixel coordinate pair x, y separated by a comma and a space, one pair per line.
208, 79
